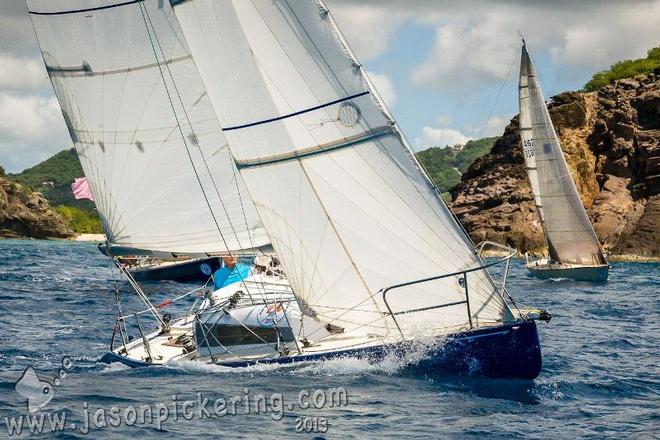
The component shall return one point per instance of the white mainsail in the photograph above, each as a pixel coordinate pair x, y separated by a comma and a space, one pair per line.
346, 207
568, 230
144, 128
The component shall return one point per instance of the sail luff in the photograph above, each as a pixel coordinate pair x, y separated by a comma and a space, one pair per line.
568, 232
485, 277
394, 124
527, 141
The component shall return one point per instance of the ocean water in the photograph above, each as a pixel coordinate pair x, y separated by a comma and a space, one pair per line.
600, 375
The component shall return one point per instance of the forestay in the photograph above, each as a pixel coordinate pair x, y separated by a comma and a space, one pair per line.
344, 203
568, 230
143, 127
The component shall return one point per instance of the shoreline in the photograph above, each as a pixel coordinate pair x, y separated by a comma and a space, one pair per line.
612, 258
88, 237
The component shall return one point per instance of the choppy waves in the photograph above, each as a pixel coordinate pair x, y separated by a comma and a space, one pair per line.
600, 373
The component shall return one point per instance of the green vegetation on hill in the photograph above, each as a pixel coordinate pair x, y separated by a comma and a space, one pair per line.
81, 221
445, 165
472, 151
625, 69
53, 178
60, 170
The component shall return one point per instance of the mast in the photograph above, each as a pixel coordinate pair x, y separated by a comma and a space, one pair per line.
527, 142
568, 232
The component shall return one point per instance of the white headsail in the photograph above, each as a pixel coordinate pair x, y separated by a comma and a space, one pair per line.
568, 230
144, 128
346, 207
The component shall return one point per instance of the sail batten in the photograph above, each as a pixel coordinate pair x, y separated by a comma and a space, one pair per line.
567, 229
347, 209
144, 129
86, 70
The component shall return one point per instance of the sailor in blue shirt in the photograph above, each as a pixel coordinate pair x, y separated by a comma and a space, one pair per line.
232, 272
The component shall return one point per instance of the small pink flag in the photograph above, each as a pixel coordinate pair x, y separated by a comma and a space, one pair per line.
81, 189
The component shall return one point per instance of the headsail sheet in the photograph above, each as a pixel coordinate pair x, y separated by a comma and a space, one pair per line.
568, 230
345, 205
126, 82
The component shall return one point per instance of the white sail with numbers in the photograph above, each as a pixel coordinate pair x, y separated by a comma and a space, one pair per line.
568, 231
346, 207
142, 123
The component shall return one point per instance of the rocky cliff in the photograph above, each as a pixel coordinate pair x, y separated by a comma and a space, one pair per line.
24, 213
611, 140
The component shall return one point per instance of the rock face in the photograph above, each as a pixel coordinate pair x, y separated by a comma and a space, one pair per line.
611, 141
27, 214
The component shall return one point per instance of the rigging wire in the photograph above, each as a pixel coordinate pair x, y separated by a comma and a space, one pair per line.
178, 123
147, 21
388, 114
497, 97
201, 153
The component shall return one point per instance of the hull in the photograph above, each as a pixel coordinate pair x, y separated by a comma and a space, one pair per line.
509, 351
581, 273
183, 271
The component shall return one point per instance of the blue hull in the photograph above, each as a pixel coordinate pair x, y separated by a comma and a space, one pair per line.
597, 274
506, 351
187, 271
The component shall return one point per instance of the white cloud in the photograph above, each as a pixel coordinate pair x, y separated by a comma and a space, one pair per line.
440, 137
476, 41
21, 73
385, 88
465, 54
493, 127
28, 117
31, 129
496, 125
625, 31
368, 27
444, 119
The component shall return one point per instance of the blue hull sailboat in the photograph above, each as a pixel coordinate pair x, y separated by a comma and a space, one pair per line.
573, 248
169, 267
478, 353
284, 141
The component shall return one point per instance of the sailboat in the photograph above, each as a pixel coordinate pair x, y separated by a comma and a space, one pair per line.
374, 261
573, 248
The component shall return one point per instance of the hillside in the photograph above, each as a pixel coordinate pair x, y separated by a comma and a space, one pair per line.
59, 169
611, 140
53, 178
24, 213
445, 165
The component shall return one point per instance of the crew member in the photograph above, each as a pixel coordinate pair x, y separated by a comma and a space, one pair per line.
231, 272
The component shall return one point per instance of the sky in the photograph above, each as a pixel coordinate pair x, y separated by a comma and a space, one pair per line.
447, 69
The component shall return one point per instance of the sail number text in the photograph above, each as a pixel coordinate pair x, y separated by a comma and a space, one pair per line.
528, 147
